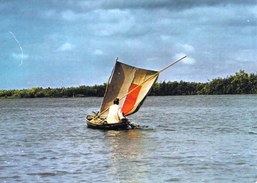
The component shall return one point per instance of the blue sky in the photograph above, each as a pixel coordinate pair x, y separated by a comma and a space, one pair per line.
54, 43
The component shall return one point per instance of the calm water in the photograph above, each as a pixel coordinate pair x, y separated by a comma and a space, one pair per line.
189, 139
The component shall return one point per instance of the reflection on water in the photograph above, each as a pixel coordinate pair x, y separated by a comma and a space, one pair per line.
127, 148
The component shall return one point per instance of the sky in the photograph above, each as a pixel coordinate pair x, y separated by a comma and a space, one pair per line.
54, 43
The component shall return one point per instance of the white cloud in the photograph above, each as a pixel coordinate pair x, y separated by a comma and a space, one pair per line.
70, 15
253, 10
246, 56
188, 60
140, 33
102, 22
66, 47
186, 48
165, 37
98, 52
111, 22
20, 56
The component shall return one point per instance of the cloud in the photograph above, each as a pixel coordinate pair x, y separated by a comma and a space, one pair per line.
98, 52
144, 33
49, 13
188, 60
20, 56
111, 22
187, 48
101, 22
70, 15
66, 47
168, 4
253, 10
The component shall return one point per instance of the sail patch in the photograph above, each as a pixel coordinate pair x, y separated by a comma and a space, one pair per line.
131, 99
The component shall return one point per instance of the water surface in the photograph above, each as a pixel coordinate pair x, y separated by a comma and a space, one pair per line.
188, 139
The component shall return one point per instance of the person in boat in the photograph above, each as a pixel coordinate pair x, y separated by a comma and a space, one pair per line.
115, 114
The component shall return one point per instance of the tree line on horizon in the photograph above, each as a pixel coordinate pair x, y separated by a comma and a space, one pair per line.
239, 83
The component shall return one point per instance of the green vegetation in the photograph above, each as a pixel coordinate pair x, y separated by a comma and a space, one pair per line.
82, 91
240, 83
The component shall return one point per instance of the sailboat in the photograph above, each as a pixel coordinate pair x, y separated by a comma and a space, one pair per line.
131, 85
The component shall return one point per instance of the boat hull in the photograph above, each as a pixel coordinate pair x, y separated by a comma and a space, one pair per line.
103, 125
115, 126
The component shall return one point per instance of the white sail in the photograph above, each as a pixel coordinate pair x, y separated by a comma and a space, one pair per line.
131, 85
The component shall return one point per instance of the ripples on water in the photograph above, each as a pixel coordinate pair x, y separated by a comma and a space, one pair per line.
188, 139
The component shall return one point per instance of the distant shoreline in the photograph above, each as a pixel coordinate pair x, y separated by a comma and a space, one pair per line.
239, 83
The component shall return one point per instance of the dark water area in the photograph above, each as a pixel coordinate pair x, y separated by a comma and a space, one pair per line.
188, 139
